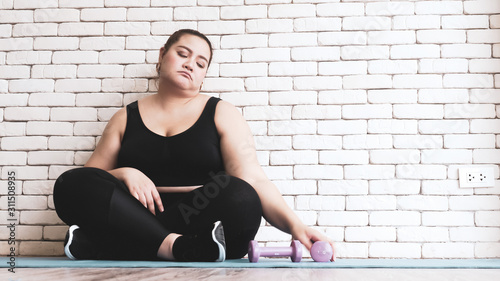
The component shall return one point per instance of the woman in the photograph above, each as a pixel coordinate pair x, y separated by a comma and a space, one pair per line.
174, 176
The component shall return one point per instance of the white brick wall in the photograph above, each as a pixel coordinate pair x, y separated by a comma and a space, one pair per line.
362, 110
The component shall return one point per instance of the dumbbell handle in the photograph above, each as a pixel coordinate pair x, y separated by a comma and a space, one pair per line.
275, 251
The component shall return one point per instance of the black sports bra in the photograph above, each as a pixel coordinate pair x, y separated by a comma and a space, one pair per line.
188, 158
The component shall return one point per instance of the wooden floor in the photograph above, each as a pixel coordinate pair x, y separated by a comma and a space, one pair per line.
253, 274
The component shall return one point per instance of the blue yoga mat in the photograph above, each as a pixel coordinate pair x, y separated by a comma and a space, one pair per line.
64, 262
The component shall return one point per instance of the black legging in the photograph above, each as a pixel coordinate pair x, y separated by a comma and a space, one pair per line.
122, 228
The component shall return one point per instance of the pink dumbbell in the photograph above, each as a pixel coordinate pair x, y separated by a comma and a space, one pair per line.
321, 251
255, 251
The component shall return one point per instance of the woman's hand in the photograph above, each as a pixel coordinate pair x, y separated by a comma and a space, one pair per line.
142, 188
307, 236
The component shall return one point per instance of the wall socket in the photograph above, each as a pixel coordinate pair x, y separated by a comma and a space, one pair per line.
476, 177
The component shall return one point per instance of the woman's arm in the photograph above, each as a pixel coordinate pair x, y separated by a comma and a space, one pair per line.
240, 160
105, 157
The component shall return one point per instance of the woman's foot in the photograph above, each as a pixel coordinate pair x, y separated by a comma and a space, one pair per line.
77, 246
208, 245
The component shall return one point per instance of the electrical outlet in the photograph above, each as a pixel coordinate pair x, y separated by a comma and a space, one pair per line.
476, 177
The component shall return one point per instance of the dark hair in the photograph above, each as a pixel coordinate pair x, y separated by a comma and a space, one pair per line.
174, 38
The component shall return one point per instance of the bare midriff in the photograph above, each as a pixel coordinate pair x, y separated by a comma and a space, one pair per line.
177, 189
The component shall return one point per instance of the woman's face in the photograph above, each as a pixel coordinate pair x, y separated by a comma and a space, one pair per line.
185, 64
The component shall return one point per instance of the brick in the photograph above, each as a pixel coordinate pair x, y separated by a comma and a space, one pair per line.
243, 12
415, 51
443, 65
11, 128
422, 203
26, 172
321, 203
49, 128
125, 85
36, 29
394, 187
269, 84
56, 43
355, 250
417, 22
16, 44
13, 16
465, 22
367, 141
71, 143
443, 126
292, 68
441, 36
343, 68
342, 38
296, 187
466, 51
196, 13
342, 97
448, 250
391, 37
127, 3
450, 218
394, 156
221, 56
487, 250
121, 57
244, 41
279, 172
392, 126
484, 65
293, 127
80, 29
75, 57
437, 172
29, 57
474, 234
246, 99
53, 71
369, 172
486, 156
51, 99
273, 142
222, 27
366, 111
293, 157
98, 99
485, 126
363, 234
469, 111
418, 111
474, 203
315, 54
343, 157
317, 172
481, 7
364, 52
111, 14
389, 8
144, 14
316, 142
443, 187
367, 82
483, 36
418, 141
174, 3
318, 24
394, 218
292, 11
292, 39
23, 232
394, 250
54, 232
422, 234
102, 43
418, 81
89, 128
77, 85
100, 71
342, 127
371, 202
13, 158
495, 21
73, 114
127, 28
343, 218
14, 72
26, 113
293, 98
31, 85
243, 70
82, 157
24, 143
265, 55
439, 7
269, 25
487, 218
392, 96
29, 248
316, 112
366, 23
343, 187
340, 9
469, 141
317, 83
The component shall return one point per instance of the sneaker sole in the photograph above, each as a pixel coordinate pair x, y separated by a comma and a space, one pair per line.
222, 251
70, 239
